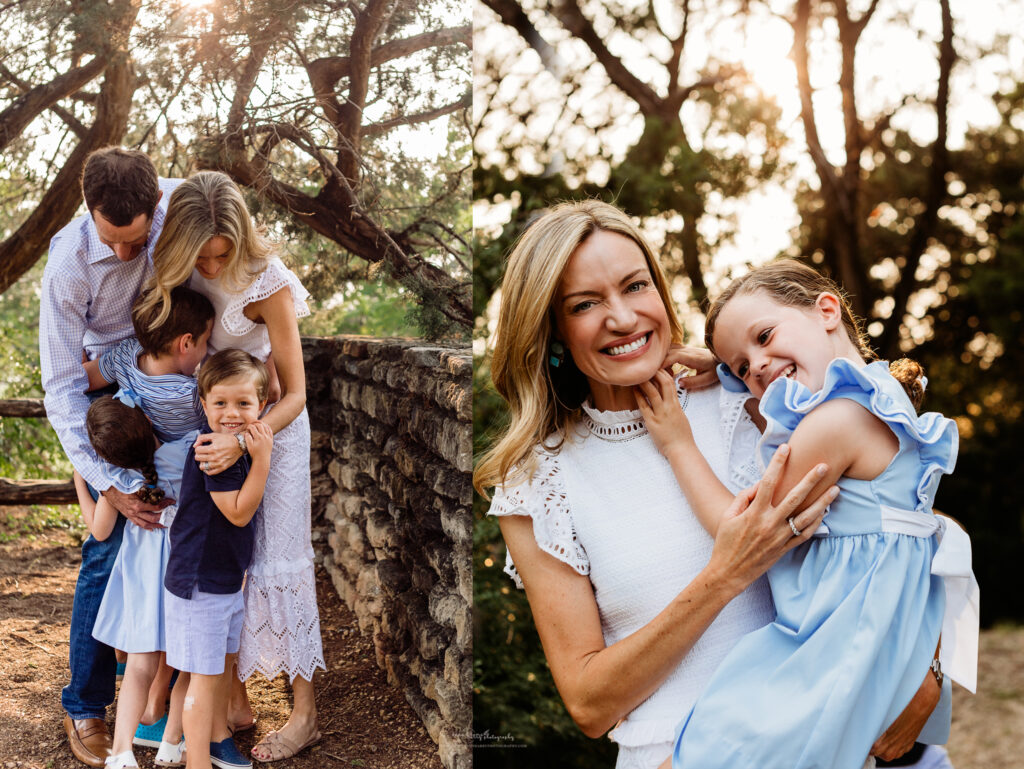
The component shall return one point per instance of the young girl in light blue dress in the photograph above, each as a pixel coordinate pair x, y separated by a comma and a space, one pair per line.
158, 401
860, 606
131, 614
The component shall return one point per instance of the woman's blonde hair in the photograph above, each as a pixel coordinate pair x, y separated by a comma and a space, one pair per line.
204, 206
542, 405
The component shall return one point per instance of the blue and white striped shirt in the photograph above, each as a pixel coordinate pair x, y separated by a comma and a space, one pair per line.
86, 302
171, 401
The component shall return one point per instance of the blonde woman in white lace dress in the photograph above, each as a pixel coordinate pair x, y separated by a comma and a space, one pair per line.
210, 241
634, 602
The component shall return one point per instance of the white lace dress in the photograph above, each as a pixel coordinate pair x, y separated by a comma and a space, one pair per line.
281, 631
608, 505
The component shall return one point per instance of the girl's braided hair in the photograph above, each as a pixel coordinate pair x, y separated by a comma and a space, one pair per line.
123, 436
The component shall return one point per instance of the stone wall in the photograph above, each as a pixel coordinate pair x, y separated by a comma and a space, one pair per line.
391, 467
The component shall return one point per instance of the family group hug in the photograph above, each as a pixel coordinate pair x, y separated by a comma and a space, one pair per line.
173, 373
737, 568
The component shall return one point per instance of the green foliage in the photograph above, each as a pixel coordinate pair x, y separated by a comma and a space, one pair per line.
975, 355
372, 308
28, 523
514, 695
28, 447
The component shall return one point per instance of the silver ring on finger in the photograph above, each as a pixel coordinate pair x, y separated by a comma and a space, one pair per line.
792, 527
205, 466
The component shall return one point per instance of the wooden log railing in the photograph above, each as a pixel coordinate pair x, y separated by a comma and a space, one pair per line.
19, 492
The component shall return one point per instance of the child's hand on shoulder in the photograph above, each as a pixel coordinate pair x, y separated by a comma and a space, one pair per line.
662, 413
259, 440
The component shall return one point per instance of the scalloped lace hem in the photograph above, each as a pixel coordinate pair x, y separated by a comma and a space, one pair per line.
281, 631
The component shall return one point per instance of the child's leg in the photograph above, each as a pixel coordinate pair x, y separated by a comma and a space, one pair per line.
131, 700
240, 714
173, 730
156, 701
220, 729
197, 715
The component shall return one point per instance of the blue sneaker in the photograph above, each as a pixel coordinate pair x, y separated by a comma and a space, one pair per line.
226, 755
149, 735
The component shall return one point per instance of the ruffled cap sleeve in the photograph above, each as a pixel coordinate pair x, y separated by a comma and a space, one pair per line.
543, 499
275, 277
787, 402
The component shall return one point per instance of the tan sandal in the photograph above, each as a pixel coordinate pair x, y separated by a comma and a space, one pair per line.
281, 747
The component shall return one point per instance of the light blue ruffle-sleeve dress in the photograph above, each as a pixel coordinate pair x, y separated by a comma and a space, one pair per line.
859, 611
131, 615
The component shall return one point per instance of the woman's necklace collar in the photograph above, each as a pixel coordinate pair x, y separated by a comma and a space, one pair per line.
621, 425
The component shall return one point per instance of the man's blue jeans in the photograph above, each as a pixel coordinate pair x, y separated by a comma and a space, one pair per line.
93, 666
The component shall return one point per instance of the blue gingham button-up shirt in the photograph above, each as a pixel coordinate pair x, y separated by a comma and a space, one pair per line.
87, 296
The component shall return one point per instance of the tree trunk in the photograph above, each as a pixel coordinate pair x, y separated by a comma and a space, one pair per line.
22, 249
924, 227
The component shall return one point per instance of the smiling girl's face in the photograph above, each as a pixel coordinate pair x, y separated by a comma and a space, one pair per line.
761, 340
610, 316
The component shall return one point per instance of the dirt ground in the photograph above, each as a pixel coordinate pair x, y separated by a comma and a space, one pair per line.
988, 726
365, 722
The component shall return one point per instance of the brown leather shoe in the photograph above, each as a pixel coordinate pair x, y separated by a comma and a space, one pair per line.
89, 738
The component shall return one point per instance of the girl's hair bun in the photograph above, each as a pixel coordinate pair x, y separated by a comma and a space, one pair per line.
910, 374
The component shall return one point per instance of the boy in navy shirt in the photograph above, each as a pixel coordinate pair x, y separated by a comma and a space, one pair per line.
211, 546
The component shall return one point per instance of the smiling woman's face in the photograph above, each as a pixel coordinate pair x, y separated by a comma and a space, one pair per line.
611, 318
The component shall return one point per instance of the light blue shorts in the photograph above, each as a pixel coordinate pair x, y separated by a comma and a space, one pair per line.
201, 631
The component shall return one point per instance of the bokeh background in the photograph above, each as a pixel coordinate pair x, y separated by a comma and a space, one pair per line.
881, 140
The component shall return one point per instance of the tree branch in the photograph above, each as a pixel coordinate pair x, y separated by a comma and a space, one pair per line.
369, 24
375, 129
324, 73
512, 15
336, 214
924, 227
826, 172
568, 12
27, 107
677, 53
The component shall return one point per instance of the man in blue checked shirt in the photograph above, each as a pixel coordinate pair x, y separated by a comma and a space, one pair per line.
96, 268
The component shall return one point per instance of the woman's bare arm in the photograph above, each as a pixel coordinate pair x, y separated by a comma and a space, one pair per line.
277, 311
602, 684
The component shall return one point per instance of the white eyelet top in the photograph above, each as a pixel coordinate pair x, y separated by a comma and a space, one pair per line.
608, 505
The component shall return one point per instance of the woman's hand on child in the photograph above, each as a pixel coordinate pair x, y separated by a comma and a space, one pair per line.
142, 514
216, 452
699, 359
259, 439
753, 533
662, 413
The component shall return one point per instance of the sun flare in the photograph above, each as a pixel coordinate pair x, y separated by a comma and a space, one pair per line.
766, 57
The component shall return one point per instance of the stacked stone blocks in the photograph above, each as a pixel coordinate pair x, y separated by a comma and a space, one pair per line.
391, 466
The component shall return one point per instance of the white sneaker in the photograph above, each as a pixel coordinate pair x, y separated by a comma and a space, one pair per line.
170, 755
121, 760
